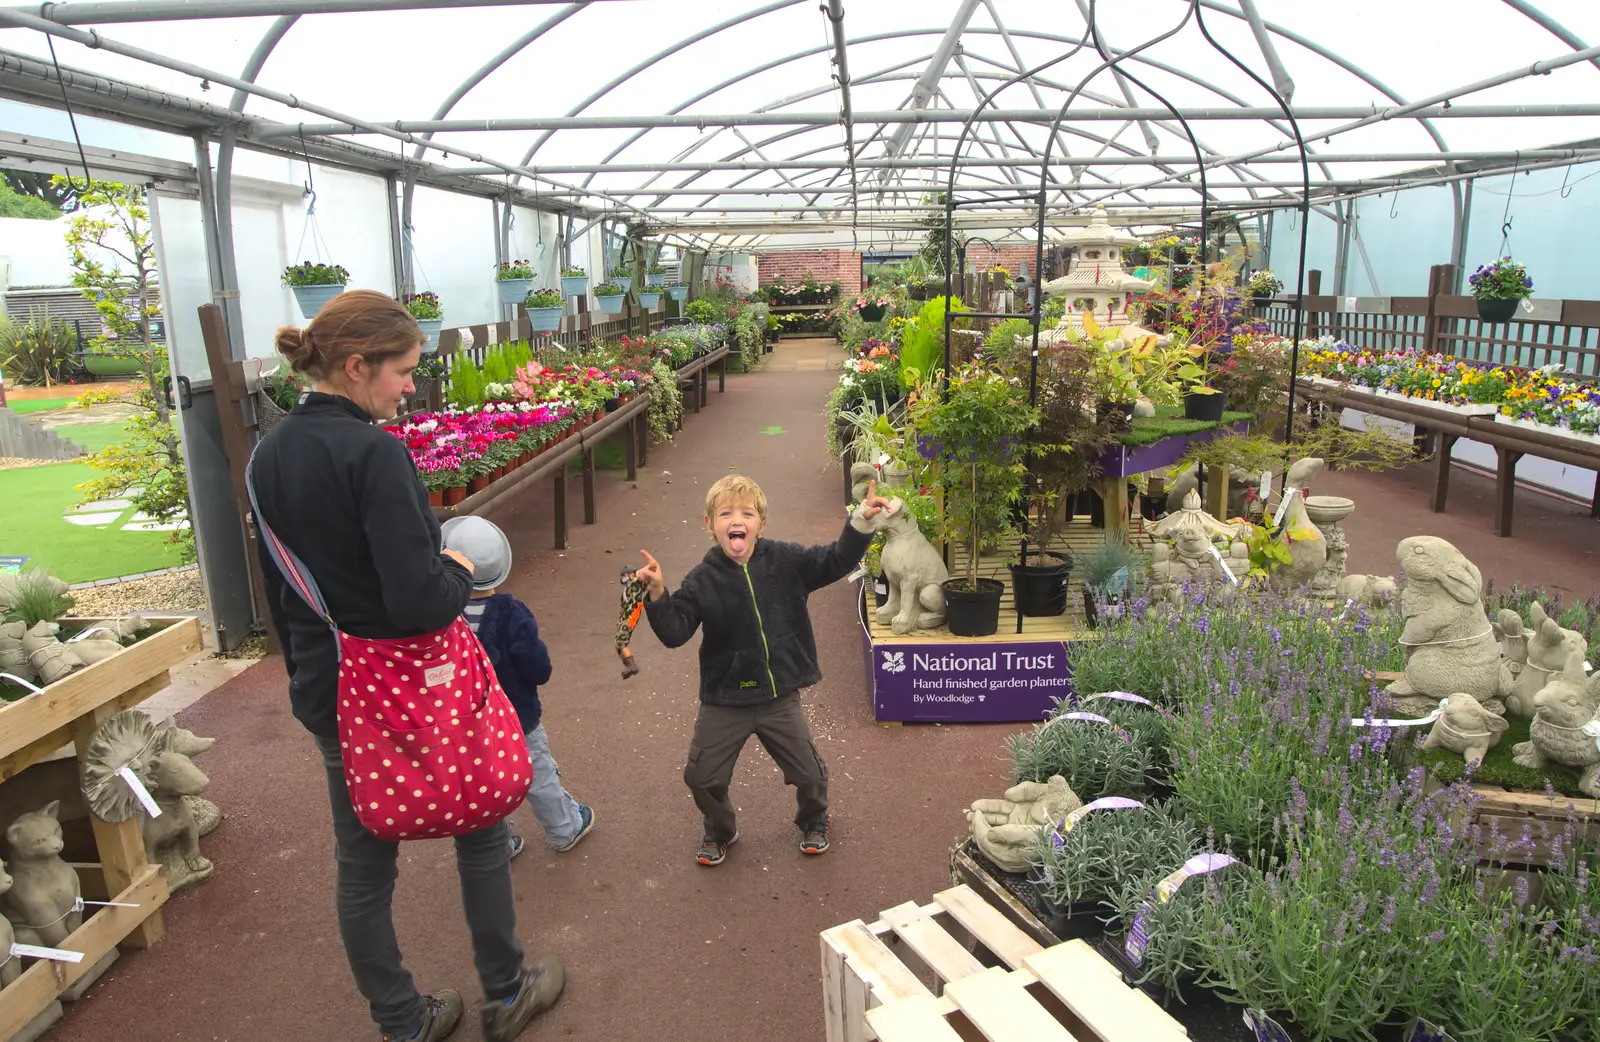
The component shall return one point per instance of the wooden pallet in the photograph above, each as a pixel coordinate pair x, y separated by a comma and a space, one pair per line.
958, 969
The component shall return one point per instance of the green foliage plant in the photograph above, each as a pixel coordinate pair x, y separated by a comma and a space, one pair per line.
517, 269
922, 344
424, 306
545, 298
36, 600
310, 273
26, 207
113, 256
701, 310
608, 289
1108, 851
467, 383
1096, 760
39, 352
574, 273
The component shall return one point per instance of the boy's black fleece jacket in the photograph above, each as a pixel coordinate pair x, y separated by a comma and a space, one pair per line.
758, 642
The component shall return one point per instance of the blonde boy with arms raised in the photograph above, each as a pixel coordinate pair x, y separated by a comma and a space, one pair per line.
758, 652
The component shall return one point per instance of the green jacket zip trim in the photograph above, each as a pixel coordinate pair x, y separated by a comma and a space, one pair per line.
766, 651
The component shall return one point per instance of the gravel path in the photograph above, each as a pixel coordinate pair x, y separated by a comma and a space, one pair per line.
17, 463
179, 591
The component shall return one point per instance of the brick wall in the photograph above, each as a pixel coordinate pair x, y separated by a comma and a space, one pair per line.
822, 265
1010, 258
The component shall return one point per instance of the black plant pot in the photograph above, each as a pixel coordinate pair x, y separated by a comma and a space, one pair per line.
612, 403
1110, 947
1207, 407
973, 613
880, 590
1496, 310
1119, 413
1261, 301
1040, 590
872, 313
1074, 921
1153, 506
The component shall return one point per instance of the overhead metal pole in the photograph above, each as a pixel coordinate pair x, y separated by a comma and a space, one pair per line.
1280, 76
841, 65
111, 12
1118, 76
923, 91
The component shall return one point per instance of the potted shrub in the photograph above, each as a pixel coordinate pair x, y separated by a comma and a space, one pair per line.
314, 285
1498, 286
649, 299
975, 431
1262, 286
1109, 572
514, 280
425, 308
574, 282
655, 275
609, 297
545, 308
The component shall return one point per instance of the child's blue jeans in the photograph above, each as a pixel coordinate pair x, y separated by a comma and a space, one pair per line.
555, 808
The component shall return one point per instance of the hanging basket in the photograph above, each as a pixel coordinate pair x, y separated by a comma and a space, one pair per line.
313, 299
268, 413
611, 305
545, 320
574, 285
1497, 309
430, 334
513, 291
678, 291
648, 300
656, 278
872, 313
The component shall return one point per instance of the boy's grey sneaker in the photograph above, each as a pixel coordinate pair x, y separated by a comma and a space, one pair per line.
440, 1015
714, 852
541, 986
516, 845
586, 815
815, 840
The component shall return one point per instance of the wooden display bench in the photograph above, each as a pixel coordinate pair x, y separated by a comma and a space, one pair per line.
31, 729
700, 371
958, 969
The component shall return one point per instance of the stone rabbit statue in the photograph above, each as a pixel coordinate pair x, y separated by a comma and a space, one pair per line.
41, 903
1373, 590
1533, 654
1467, 728
1449, 645
1007, 830
1564, 730
10, 968
50, 659
13, 659
914, 570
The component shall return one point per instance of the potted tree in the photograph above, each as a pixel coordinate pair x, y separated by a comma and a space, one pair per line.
609, 297
574, 282
514, 280
425, 308
545, 308
314, 285
1498, 286
656, 275
975, 431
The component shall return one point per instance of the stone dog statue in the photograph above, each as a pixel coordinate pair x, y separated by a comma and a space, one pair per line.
1007, 830
914, 571
1563, 727
1449, 645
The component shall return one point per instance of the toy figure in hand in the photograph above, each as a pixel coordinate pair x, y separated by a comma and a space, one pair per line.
634, 590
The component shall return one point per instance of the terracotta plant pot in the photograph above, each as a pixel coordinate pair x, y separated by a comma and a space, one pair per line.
436, 497
478, 484
452, 496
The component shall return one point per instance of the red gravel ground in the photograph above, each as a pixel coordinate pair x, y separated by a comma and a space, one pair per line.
655, 945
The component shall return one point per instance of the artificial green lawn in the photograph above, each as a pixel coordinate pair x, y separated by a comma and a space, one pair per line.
1169, 420
92, 436
22, 408
1497, 767
31, 523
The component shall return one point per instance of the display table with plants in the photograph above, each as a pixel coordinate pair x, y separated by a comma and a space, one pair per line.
1156, 443
34, 724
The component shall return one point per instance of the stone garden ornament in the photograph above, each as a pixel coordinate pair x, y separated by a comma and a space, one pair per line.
1467, 728
914, 571
1564, 730
1373, 590
1007, 830
1533, 654
1449, 645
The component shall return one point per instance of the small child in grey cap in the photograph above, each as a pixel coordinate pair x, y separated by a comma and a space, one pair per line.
509, 633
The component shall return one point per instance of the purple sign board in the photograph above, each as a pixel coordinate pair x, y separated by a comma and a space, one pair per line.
964, 681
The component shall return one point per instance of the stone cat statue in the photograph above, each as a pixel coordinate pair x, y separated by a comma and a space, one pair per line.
10, 969
44, 888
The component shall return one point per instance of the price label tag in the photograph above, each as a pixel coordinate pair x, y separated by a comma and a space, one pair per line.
1094, 718
1347, 606
33, 951
1223, 561
1264, 1028
1402, 721
1266, 485
1103, 803
151, 807
1123, 696
1283, 506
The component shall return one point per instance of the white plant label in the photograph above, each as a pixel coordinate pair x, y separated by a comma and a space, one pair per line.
1138, 936
1266, 485
1122, 696
1104, 803
1093, 718
78, 904
1403, 721
1283, 506
33, 951
151, 807
1347, 606
1223, 561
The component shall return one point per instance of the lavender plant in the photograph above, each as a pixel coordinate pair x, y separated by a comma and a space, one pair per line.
1095, 759
1108, 851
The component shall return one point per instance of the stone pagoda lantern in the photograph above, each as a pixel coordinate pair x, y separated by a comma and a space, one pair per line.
1096, 281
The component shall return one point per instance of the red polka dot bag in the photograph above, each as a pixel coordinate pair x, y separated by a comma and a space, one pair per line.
431, 745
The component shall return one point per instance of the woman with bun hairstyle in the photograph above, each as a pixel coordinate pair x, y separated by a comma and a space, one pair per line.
344, 495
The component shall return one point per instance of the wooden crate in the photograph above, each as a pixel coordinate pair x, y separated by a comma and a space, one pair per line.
33, 728
958, 969
1542, 818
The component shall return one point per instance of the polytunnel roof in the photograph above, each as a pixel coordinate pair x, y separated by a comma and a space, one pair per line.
724, 123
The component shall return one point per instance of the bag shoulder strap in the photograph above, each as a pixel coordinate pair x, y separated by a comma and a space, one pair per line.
291, 567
